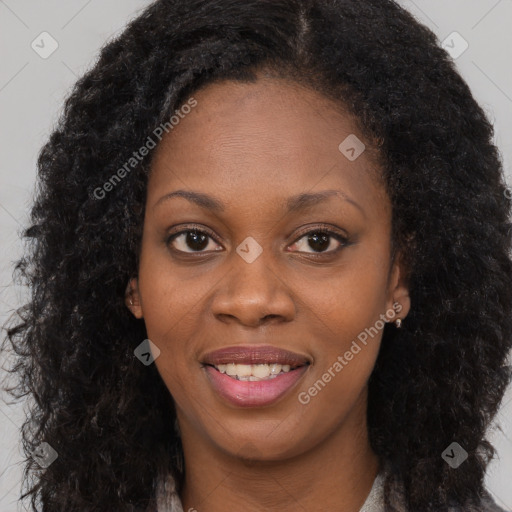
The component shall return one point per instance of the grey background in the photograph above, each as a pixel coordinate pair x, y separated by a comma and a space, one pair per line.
32, 90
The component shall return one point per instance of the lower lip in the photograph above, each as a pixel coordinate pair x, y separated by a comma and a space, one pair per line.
253, 393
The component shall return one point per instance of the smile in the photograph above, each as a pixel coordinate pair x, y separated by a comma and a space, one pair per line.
254, 372
254, 376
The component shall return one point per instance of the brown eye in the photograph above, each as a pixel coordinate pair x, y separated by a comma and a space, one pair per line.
320, 241
190, 241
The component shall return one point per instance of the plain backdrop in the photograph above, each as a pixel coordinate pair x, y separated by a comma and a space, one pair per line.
32, 90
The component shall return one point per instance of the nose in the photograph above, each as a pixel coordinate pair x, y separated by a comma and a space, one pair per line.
253, 294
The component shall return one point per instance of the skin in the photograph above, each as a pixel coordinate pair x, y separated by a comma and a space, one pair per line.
252, 146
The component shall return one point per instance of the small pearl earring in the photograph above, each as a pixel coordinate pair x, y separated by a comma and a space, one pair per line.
398, 323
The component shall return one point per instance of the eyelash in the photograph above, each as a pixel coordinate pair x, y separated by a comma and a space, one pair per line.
322, 229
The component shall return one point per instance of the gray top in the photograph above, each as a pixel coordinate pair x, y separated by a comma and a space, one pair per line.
168, 499
374, 500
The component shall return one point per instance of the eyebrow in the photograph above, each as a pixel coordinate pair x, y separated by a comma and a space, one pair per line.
295, 203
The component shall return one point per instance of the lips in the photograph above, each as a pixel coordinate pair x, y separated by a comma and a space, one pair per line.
254, 392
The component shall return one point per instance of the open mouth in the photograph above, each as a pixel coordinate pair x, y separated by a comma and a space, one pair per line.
254, 372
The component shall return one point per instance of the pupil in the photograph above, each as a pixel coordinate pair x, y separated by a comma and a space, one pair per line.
322, 240
193, 237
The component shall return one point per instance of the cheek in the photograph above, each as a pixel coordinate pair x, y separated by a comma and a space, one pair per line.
350, 297
347, 312
169, 297
171, 308
170, 316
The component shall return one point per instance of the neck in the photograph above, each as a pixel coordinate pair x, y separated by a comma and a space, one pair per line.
336, 474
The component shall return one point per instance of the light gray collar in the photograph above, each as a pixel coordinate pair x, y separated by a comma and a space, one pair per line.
375, 499
169, 501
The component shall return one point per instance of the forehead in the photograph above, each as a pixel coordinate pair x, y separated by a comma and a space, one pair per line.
270, 138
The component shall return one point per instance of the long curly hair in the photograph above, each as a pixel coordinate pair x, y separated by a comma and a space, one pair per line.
439, 379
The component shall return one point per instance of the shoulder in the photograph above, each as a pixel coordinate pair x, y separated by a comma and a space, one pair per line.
398, 501
489, 505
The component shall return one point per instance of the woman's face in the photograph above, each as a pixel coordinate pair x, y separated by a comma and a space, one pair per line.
266, 270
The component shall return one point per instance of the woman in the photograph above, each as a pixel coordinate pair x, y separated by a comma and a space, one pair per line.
270, 268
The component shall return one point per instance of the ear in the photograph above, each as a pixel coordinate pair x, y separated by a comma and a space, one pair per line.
398, 291
132, 298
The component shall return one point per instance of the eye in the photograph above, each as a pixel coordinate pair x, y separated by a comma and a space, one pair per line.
321, 240
193, 238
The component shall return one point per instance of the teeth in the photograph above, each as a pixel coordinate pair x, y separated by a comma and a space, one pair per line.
253, 372
260, 370
230, 369
275, 368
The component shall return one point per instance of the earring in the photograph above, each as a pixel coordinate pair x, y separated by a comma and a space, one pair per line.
398, 323
131, 301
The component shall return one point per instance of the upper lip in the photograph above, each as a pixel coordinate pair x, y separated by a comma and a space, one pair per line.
255, 354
